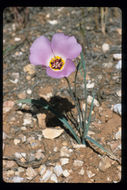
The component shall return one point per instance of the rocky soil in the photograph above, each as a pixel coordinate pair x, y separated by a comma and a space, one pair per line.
36, 146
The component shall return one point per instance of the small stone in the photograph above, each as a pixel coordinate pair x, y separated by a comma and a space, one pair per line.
58, 170
105, 47
17, 179
117, 108
20, 169
55, 149
90, 85
54, 178
107, 65
81, 172
7, 106
20, 155
41, 120
64, 161
42, 169
47, 175
117, 56
30, 69
29, 91
9, 164
23, 128
22, 95
51, 133
118, 134
17, 39
52, 22
65, 152
16, 141
10, 172
78, 146
39, 155
66, 173
119, 93
4, 135
104, 164
119, 65
30, 172
78, 163
89, 101
27, 119
90, 174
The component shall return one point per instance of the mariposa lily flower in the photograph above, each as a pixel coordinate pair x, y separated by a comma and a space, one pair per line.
56, 56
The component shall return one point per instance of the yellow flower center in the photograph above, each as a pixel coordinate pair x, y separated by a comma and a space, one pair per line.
56, 63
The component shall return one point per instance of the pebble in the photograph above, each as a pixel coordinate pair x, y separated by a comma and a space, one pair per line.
30, 69
117, 56
39, 155
89, 101
4, 135
20, 155
30, 172
58, 170
41, 120
17, 39
29, 91
117, 108
104, 164
90, 85
105, 47
7, 106
9, 164
27, 119
65, 152
66, 173
119, 93
64, 161
10, 172
90, 174
47, 175
54, 178
51, 133
107, 65
118, 134
22, 95
78, 163
42, 169
119, 65
78, 146
52, 22
17, 179
17, 141
81, 172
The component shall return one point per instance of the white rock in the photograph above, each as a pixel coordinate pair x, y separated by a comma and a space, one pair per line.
64, 161
58, 170
105, 47
47, 175
104, 164
16, 141
119, 65
65, 152
107, 65
54, 178
52, 22
77, 146
17, 39
51, 133
7, 106
90, 174
27, 119
66, 173
17, 179
81, 172
90, 85
30, 172
78, 163
14, 81
89, 101
42, 169
117, 108
29, 91
117, 56
118, 134
119, 93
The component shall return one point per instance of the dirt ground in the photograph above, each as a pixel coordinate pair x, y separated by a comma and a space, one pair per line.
25, 148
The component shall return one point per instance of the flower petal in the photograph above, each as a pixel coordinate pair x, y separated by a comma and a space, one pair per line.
65, 46
40, 51
67, 70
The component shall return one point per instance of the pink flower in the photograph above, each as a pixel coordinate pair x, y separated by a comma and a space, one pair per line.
56, 56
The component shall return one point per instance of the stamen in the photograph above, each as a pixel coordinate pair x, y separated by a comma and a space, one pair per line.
56, 63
